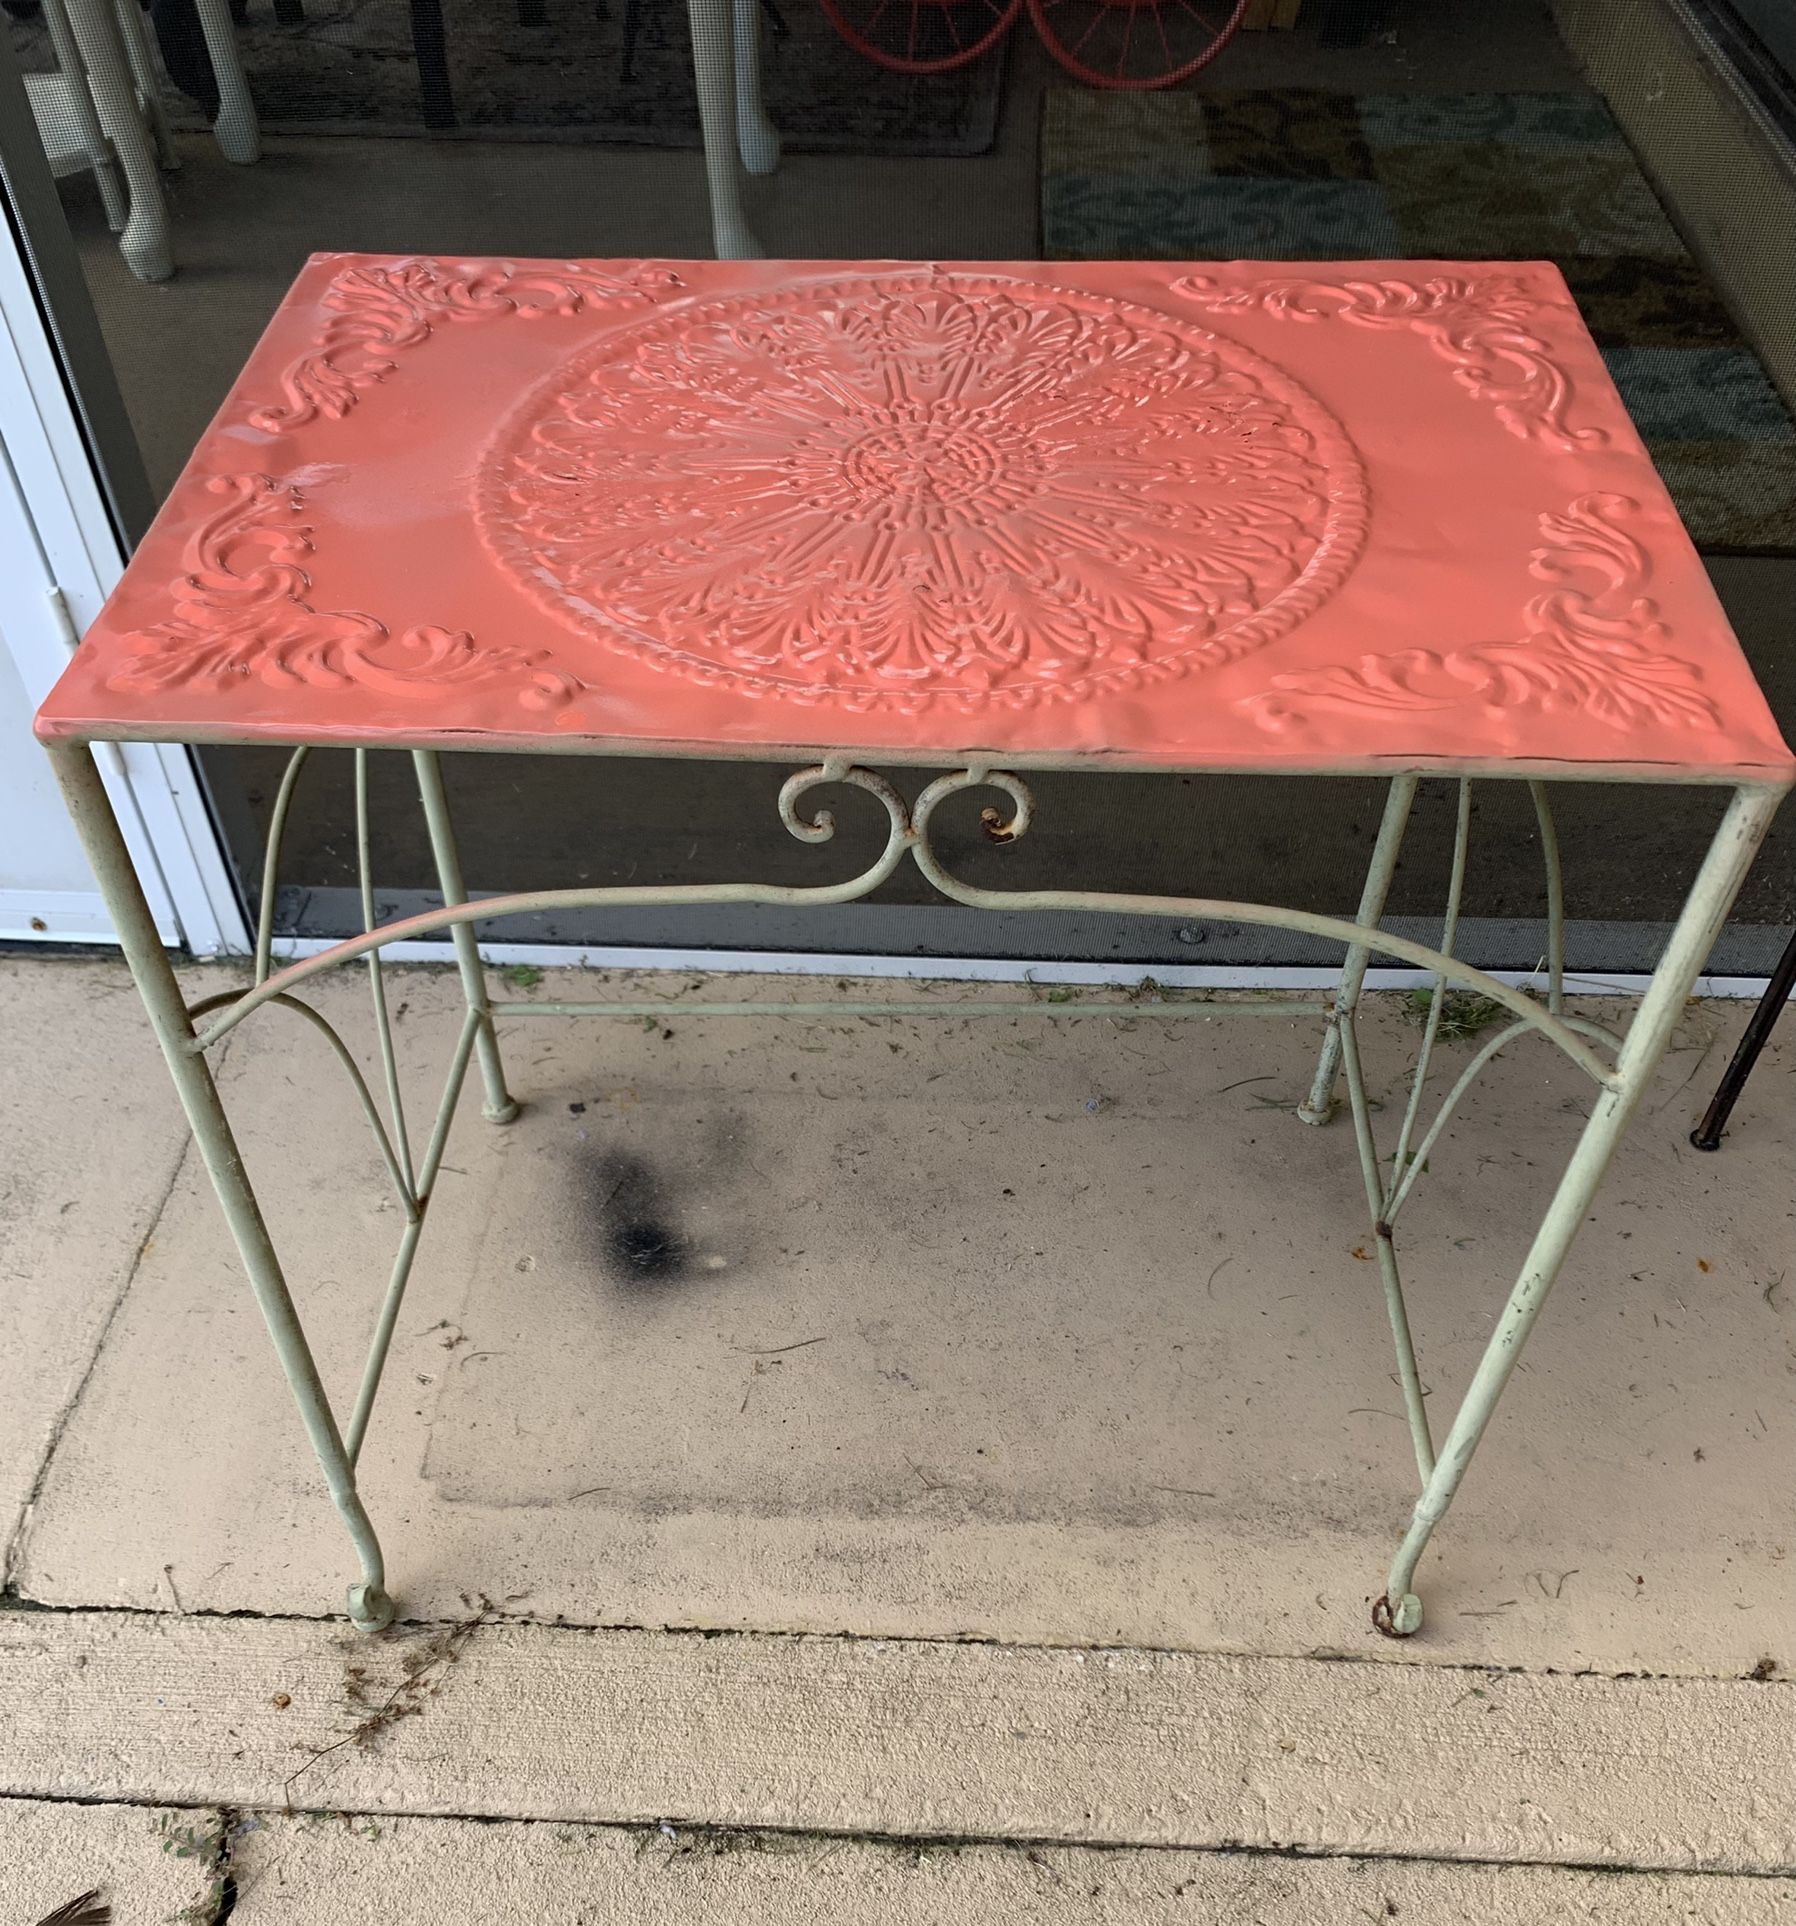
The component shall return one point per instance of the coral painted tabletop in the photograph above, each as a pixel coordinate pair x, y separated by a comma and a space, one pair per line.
1225, 516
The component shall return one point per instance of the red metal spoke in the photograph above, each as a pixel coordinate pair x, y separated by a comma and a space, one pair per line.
1165, 44
1122, 59
1097, 20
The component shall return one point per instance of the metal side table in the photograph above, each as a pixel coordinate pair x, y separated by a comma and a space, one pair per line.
1379, 519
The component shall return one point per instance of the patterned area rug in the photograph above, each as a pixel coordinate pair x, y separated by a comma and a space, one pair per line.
1298, 175
349, 68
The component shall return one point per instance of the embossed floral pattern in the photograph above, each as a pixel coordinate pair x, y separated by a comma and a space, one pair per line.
1479, 326
1586, 648
897, 490
240, 611
378, 309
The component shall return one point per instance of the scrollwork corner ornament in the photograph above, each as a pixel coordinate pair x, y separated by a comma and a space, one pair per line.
241, 612
1480, 326
1588, 646
376, 309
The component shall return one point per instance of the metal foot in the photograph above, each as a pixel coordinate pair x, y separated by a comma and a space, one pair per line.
370, 1607
504, 1113
1308, 1113
1402, 1622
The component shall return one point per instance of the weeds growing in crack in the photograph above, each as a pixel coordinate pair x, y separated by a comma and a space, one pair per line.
182, 1839
424, 1669
675, 1843
1464, 1013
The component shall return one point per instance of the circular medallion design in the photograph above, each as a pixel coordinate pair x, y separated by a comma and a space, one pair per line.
912, 487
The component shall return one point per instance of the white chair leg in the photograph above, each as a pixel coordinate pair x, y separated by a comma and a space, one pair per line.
757, 139
237, 131
145, 243
713, 65
81, 104
147, 80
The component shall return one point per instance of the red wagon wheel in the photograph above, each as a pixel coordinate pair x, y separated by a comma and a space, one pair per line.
922, 36
1135, 44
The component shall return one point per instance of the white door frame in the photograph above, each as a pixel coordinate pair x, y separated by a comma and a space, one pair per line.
56, 519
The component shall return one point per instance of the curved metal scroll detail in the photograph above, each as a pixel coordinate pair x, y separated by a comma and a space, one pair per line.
909, 829
1209, 909
346, 1057
821, 827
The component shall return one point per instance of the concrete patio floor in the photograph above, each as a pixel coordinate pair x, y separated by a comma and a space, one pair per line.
923, 1469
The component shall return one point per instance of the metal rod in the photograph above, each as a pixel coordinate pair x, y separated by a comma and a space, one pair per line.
1707, 1134
377, 989
499, 1107
941, 1007
1409, 1375
1549, 852
271, 862
1186, 909
91, 812
1319, 1105
1462, 836
1730, 855
400, 1276
364, 1096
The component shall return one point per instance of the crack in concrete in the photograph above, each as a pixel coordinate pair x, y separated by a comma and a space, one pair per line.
16, 1543
724, 1836
21, 1603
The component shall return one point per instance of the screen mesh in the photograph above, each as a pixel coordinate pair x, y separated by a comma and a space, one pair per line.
1644, 145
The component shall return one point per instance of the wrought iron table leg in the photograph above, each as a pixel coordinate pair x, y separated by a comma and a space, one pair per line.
369, 1606
1318, 1107
1707, 1134
1399, 1611
501, 1107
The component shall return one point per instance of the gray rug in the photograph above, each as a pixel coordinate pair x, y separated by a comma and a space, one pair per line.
350, 68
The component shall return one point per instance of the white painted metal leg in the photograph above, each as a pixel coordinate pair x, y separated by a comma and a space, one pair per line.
81, 104
237, 131
757, 139
1319, 1105
1736, 842
145, 242
149, 82
713, 69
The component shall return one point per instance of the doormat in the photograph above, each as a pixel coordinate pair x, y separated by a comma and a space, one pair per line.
1302, 175
555, 70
